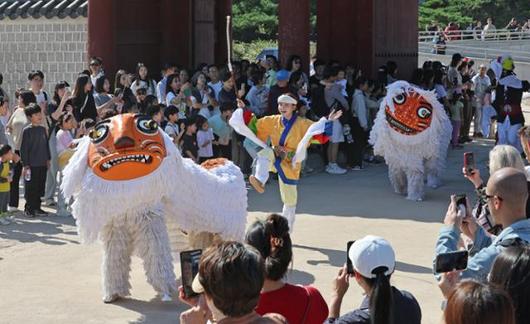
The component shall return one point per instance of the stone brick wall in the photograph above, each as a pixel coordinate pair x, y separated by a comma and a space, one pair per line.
57, 47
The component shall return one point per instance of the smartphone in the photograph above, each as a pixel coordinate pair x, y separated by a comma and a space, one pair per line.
469, 161
189, 265
349, 264
187, 92
451, 261
461, 200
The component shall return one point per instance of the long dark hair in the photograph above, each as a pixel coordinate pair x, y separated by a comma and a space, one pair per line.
381, 299
117, 84
511, 272
271, 238
58, 86
290, 61
100, 84
170, 79
80, 83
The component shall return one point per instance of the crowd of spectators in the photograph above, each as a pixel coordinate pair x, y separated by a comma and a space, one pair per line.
246, 283
193, 107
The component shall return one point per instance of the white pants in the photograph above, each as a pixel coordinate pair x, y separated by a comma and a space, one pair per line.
288, 193
508, 134
487, 113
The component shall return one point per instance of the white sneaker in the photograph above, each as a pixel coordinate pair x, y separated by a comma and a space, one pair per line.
12, 209
333, 168
4, 221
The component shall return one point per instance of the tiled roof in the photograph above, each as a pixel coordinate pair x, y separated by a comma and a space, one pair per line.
15, 9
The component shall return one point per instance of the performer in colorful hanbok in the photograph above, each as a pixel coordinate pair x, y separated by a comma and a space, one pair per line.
287, 136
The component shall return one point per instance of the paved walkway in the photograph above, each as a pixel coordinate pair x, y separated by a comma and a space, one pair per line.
46, 276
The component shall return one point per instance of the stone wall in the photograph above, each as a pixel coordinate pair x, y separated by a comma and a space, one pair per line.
55, 46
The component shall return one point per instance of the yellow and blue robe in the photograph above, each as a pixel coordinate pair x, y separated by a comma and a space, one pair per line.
287, 134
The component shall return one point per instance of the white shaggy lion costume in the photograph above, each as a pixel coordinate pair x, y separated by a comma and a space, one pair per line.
125, 177
412, 132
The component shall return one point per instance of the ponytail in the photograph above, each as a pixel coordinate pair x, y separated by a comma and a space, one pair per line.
381, 299
271, 238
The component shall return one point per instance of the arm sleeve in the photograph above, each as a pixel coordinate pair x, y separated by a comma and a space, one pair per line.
360, 110
337, 95
24, 147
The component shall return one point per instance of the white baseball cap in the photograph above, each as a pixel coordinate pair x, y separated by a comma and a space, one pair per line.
372, 252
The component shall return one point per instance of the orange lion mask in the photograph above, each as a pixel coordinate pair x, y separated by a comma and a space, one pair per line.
412, 113
126, 147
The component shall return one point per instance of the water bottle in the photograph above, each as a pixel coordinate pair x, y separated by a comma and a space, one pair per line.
27, 176
347, 133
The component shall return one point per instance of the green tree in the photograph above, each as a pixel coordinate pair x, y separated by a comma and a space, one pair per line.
255, 19
464, 12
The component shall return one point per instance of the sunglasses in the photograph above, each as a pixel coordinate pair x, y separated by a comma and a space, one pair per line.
493, 196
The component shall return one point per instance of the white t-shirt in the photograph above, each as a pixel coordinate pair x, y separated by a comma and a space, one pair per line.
203, 137
172, 129
42, 97
481, 84
216, 88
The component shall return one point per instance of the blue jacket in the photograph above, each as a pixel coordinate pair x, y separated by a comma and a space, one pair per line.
484, 250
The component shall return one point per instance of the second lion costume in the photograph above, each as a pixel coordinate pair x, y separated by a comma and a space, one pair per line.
412, 132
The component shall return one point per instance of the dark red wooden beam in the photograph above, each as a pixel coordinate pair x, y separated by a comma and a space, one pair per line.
293, 30
101, 32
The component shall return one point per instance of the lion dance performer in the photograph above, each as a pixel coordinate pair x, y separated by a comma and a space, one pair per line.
412, 132
507, 103
125, 177
289, 136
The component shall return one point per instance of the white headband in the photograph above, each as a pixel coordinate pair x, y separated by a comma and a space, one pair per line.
287, 99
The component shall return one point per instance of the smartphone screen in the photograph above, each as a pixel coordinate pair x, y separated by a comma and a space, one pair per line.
469, 161
349, 265
189, 264
461, 200
451, 261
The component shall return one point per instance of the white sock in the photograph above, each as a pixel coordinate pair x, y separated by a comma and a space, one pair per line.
262, 169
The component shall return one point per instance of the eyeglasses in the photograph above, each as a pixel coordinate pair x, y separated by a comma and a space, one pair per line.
493, 196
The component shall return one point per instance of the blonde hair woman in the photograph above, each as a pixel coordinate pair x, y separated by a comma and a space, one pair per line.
501, 156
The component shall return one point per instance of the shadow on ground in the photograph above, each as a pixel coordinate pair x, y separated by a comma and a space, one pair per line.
46, 230
337, 258
368, 193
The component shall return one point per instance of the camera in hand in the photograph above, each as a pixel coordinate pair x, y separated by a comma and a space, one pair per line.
189, 263
451, 261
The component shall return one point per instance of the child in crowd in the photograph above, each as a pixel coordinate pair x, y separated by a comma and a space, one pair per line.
35, 154
155, 112
65, 149
456, 110
222, 131
204, 139
6, 155
172, 129
189, 140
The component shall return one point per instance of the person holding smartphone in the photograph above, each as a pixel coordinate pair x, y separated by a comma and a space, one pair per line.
501, 156
373, 260
506, 196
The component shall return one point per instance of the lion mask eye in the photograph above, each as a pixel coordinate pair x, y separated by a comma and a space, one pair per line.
147, 126
400, 99
424, 112
99, 133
